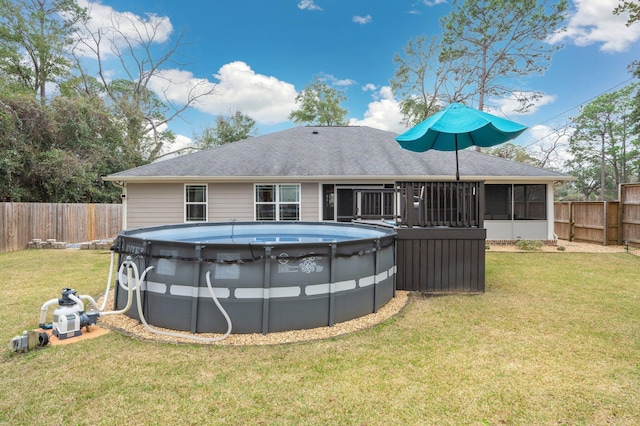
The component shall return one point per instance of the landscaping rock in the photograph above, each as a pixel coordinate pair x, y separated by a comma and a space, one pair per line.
51, 243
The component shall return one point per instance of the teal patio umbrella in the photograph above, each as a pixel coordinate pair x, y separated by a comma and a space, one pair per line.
457, 127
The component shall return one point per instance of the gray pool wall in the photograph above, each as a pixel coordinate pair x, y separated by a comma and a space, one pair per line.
272, 284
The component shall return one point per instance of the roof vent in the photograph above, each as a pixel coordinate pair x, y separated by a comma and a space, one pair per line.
315, 132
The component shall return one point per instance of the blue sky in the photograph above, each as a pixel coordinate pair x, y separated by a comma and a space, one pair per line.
258, 54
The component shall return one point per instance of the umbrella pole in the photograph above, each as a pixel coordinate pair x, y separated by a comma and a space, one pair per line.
457, 168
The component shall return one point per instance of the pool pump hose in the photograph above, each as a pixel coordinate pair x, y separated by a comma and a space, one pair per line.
70, 317
134, 283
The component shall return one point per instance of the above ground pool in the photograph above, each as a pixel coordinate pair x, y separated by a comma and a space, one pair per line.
268, 276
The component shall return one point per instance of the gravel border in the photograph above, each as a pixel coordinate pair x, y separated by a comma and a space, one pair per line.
569, 247
132, 328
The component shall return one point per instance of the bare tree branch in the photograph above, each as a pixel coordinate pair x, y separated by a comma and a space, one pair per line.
132, 42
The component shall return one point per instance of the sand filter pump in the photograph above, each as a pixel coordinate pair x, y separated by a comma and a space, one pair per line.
69, 317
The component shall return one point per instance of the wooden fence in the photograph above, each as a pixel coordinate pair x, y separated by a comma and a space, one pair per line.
630, 213
72, 223
603, 222
587, 221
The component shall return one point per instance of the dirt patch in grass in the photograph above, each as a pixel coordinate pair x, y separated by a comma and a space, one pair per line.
90, 332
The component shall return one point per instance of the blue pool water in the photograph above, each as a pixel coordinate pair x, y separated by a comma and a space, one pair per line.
259, 232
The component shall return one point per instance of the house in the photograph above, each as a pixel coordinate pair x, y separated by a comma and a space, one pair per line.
320, 174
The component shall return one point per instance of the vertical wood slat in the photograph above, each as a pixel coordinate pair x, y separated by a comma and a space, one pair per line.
437, 260
72, 223
629, 215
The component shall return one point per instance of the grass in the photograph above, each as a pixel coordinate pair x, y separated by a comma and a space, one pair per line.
554, 340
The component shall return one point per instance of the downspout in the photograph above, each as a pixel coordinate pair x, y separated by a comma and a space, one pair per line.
123, 197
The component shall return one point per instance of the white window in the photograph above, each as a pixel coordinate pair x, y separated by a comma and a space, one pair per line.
195, 203
277, 202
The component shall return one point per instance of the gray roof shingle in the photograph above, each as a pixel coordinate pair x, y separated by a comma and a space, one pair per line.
351, 151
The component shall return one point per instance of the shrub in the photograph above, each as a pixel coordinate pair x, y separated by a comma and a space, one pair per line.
529, 245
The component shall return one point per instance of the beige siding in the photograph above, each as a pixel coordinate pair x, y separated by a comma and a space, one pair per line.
161, 204
230, 201
154, 204
310, 199
235, 201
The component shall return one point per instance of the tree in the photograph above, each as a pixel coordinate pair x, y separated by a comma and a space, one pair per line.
86, 130
12, 147
634, 115
549, 154
601, 141
229, 129
35, 37
628, 6
586, 185
81, 85
57, 152
142, 116
419, 80
491, 43
143, 109
320, 105
514, 152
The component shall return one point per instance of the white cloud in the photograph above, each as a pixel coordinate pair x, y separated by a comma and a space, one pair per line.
383, 113
428, 3
508, 105
118, 29
593, 21
331, 79
176, 85
362, 19
545, 141
369, 87
344, 82
541, 134
308, 5
264, 98
180, 142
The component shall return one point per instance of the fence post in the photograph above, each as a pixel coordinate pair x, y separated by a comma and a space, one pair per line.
621, 200
571, 229
605, 231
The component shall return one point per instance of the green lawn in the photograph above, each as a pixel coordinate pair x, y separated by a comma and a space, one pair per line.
554, 340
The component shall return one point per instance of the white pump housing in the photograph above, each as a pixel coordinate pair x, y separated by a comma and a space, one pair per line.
66, 321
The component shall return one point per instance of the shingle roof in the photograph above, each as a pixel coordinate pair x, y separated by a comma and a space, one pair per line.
348, 152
